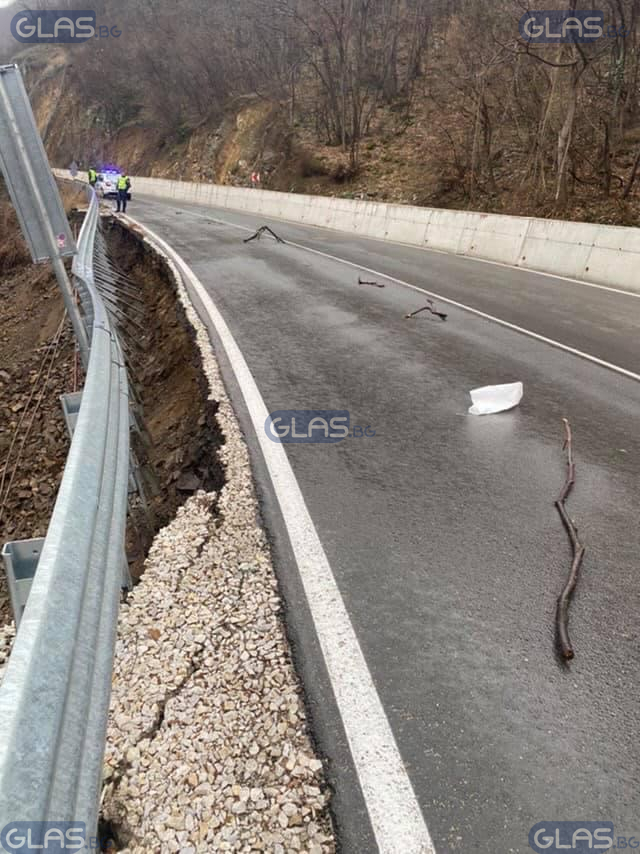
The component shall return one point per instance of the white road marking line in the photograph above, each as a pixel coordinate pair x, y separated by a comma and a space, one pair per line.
528, 332
528, 270
395, 815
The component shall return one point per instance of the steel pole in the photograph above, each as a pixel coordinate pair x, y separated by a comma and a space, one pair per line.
57, 263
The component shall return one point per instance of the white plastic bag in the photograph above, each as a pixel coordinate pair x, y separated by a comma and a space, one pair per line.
495, 398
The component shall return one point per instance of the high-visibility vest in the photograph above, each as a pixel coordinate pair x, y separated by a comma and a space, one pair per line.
123, 182
92, 175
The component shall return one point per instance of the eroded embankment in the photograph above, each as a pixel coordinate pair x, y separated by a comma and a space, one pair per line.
208, 747
37, 365
177, 448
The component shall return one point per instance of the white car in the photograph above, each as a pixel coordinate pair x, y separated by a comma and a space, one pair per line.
107, 184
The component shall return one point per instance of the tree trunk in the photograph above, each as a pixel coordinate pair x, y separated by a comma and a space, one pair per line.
632, 177
606, 159
564, 143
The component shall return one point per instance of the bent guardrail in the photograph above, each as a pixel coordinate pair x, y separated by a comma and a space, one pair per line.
54, 698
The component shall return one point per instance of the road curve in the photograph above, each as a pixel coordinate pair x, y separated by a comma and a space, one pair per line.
441, 530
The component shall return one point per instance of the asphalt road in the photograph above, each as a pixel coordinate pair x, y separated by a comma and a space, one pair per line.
441, 530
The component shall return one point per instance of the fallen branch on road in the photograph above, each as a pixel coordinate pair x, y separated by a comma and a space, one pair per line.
263, 230
373, 284
429, 307
562, 610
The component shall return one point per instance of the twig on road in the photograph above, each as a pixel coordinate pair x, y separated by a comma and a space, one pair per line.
373, 284
429, 307
263, 230
578, 550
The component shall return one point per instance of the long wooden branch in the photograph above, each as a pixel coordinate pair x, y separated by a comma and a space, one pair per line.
578, 550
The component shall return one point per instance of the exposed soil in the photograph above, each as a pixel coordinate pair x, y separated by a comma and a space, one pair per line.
38, 363
178, 448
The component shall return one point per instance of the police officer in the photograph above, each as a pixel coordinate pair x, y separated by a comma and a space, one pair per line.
93, 176
123, 187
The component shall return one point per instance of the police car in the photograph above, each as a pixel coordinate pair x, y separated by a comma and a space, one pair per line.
107, 184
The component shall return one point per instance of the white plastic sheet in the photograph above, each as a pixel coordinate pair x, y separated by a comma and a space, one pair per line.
495, 398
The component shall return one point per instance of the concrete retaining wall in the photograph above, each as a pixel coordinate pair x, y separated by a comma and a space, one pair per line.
602, 254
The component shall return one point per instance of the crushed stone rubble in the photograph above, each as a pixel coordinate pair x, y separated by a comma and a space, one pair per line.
207, 747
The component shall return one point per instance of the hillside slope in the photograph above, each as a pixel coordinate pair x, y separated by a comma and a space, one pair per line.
495, 128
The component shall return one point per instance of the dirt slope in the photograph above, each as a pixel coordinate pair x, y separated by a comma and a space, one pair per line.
37, 364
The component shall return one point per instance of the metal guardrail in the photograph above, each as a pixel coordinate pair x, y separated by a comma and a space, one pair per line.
54, 698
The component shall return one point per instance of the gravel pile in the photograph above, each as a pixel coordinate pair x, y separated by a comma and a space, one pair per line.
207, 745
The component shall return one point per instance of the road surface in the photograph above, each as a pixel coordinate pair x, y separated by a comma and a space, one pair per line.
441, 530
